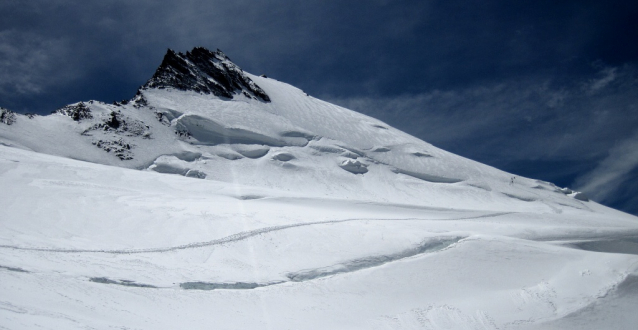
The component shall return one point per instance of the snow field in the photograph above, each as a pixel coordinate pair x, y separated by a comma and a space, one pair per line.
185, 210
107, 247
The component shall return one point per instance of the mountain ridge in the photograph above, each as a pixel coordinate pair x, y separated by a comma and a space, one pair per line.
176, 125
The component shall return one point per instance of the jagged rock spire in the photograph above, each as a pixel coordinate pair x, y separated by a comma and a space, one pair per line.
204, 71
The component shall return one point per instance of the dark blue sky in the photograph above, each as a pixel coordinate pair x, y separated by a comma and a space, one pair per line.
544, 89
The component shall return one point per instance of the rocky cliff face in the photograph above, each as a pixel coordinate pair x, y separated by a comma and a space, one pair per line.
204, 71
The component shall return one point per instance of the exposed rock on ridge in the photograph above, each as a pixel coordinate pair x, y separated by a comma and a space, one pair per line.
206, 72
7, 116
77, 111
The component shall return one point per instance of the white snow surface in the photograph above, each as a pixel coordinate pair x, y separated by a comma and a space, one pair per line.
310, 216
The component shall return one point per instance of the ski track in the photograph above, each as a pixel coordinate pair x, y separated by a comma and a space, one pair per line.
232, 238
429, 246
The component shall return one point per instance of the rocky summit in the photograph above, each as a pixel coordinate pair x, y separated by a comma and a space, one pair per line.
204, 71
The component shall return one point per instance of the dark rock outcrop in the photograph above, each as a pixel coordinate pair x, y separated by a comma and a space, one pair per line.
7, 117
204, 71
116, 122
119, 147
77, 111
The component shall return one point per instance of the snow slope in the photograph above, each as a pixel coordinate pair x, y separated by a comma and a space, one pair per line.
310, 216
294, 142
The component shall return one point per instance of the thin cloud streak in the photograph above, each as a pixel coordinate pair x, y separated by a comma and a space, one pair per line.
603, 182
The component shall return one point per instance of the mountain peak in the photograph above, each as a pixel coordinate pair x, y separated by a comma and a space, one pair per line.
204, 71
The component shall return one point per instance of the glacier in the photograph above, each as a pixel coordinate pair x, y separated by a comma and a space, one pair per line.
216, 198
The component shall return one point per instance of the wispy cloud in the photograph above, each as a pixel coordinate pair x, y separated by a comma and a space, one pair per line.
607, 76
604, 181
30, 63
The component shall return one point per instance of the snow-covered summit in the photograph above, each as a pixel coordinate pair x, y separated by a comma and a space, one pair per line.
204, 71
201, 116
